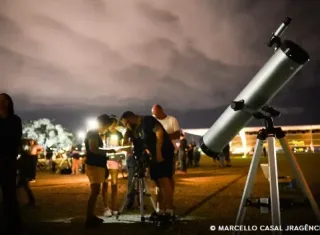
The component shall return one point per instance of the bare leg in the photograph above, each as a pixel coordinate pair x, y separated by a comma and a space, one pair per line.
166, 189
114, 188
172, 184
105, 194
95, 190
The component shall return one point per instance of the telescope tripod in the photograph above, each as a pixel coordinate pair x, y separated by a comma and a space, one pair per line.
143, 190
270, 134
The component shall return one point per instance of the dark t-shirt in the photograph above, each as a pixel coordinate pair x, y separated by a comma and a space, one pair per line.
146, 131
94, 159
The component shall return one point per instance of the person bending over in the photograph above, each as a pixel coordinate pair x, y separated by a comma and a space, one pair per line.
161, 149
96, 169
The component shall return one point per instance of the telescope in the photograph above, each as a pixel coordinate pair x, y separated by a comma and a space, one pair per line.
288, 59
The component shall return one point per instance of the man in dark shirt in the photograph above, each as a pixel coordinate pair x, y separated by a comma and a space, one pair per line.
161, 149
96, 162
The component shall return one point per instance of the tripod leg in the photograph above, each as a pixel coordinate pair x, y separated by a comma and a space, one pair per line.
140, 182
149, 194
300, 177
273, 182
125, 202
250, 181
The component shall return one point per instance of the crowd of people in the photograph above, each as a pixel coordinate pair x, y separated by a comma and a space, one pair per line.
163, 142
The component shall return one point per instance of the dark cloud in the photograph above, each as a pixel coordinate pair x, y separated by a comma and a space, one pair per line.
184, 54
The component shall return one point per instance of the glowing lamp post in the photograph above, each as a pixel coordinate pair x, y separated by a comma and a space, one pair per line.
81, 135
91, 124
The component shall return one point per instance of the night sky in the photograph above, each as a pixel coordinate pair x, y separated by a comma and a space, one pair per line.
73, 59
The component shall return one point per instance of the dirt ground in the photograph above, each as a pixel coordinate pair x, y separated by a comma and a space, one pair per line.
205, 196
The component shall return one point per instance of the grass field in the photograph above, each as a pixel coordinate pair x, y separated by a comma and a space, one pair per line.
205, 196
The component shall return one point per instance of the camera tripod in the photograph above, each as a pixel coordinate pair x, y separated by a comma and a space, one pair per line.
271, 133
143, 190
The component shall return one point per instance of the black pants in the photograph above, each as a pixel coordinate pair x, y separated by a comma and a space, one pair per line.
132, 193
34, 166
12, 218
190, 161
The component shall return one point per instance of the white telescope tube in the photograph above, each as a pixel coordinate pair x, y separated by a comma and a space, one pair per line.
272, 77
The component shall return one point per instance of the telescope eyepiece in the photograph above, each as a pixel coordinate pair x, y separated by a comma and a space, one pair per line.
275, 39
287, 21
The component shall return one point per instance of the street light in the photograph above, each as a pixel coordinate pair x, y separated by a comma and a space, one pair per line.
92, 124
81, 135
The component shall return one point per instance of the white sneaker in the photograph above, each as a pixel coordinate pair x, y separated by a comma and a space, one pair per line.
115, 212
107, 213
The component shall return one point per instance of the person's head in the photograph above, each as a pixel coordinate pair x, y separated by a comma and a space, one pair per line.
6, 106
157, 112
104, 122
32, 142
114, 124
129, 120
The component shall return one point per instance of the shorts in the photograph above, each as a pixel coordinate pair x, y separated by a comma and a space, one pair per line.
96, 174
161, 170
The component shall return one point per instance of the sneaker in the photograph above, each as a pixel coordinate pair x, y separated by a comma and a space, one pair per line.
107, 213
93, 222
167, 218
154, 216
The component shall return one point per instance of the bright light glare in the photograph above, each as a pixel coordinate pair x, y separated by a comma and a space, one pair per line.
81, 135
92, 124
114, 138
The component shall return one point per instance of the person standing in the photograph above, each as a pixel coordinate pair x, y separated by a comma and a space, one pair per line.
96, 167
196, 156
182, 154
26, 171
114, 138
226, 153
190, 162
34, 151
75, 154
10, 145
172, 127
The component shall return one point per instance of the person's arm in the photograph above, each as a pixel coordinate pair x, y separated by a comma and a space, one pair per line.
176, 134
94, 147
159, 134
